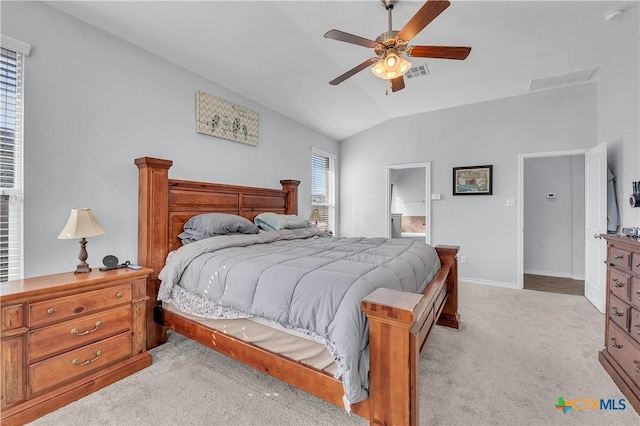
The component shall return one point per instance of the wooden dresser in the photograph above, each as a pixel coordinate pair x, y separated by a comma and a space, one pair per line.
621, 355
65, 336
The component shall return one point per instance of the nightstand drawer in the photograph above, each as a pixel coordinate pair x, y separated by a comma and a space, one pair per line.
50, 311
625, 352
619, 313
77, 332
619, 284
71, 365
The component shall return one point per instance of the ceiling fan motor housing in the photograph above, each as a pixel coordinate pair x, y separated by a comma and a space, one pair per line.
388, 40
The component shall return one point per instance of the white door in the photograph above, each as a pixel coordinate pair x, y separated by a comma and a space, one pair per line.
595, 223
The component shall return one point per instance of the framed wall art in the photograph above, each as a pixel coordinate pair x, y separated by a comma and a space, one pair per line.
473, 180
224, 119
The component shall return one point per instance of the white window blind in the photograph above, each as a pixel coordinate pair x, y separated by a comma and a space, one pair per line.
323, 188
12, 53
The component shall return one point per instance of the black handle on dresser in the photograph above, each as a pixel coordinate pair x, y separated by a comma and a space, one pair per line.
614, 344
617, 283
614, 311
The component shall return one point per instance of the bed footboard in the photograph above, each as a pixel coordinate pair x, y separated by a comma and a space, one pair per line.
399, 326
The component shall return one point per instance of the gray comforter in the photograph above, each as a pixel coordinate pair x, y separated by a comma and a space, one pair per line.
303, 279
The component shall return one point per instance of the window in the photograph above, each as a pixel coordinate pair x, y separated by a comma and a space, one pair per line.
323, 188
12, 53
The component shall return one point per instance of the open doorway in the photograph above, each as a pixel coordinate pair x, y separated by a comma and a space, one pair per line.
551, 216
409, 201
554, 242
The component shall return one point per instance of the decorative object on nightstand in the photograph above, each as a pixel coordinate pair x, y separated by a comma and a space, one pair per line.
81, 224
315, 217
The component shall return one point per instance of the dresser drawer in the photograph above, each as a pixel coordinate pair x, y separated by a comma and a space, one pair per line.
620, 257
50, 311
625, 352
634, 328
619, 283
634, 297
71, 365
635, 263
77, 332
619, 312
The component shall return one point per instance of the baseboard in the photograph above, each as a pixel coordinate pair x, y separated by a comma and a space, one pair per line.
487, 282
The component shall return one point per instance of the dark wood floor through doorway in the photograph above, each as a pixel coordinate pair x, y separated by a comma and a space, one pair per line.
554, 284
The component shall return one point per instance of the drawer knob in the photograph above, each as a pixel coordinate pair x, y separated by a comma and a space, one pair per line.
617, 313
118, 295
618, 256
84, 333
638, 293
614, 344
637, 327
51, 311
88, 361
636, 364
617, 283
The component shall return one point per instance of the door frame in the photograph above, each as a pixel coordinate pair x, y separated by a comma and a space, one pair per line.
521, 158
427, 197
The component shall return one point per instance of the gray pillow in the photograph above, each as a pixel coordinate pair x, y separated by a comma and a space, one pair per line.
210, 224
273, 221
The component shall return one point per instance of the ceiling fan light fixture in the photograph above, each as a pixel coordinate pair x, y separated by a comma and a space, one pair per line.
391, 60
388, 70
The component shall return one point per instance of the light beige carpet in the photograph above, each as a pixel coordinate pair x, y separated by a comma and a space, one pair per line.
517, 352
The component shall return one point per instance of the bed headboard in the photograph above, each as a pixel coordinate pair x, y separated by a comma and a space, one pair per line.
164, 205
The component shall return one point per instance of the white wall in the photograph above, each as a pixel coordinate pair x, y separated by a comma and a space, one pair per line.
618, 112
493, 132
94, 103
554, 227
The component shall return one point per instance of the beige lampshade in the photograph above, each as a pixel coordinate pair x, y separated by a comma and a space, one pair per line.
82, 223
315, 216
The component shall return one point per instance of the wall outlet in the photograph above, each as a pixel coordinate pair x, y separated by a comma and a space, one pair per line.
463, 259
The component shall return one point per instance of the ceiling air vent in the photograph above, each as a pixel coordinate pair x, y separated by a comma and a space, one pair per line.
562, 80
418, 71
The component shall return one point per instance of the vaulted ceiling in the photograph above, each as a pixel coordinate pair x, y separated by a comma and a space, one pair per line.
274, 52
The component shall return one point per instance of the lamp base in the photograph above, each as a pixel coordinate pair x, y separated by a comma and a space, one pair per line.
82, 268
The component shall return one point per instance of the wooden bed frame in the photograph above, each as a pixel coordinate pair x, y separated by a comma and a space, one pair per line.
399, 322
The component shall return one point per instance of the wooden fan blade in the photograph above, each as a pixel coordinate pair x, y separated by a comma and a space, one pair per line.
439, 52
427, 13
352, 71
350, 38
397, 84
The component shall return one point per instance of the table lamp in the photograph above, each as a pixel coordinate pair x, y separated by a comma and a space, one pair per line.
315, 217
81, 224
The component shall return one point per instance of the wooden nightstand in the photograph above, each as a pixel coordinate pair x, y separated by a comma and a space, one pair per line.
65, 336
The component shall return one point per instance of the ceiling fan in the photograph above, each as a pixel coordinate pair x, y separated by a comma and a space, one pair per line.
391, 46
